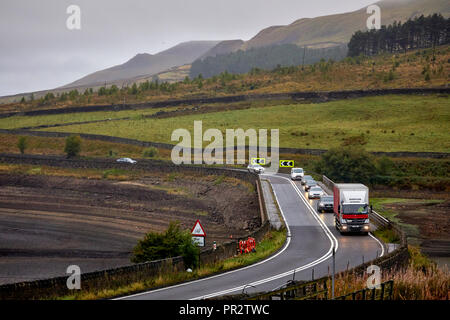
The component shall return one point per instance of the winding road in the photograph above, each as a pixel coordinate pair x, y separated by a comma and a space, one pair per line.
306, 253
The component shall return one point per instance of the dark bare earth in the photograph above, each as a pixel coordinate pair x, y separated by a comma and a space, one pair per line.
48, 223
432, 221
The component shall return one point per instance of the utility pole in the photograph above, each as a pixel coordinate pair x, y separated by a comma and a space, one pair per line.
332, 276
304, 53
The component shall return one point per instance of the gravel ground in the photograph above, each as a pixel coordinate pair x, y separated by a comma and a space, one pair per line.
48, 223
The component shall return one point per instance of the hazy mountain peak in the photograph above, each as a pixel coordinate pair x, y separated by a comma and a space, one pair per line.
224, 47
147, 64
139, 59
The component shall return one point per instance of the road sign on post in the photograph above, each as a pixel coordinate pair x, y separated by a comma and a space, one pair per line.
198, 234
260, 161
287, 163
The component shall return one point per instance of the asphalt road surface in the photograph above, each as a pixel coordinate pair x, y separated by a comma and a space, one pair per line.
306, 253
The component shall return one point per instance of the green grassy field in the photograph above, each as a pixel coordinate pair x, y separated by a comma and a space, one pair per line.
33, 121
387, 123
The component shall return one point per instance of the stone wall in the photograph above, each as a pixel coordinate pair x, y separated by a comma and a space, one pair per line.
308, 96
167, 146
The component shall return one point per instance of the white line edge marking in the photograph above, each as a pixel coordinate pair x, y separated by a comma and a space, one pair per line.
333, 240
330, 235
379, 242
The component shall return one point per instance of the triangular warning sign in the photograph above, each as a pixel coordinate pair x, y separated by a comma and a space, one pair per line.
198, 230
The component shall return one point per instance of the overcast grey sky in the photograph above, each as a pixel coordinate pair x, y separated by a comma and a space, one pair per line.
38, 52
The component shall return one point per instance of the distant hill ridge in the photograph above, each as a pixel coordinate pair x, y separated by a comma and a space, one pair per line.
337, 29
320, 32
145, 64
315, 33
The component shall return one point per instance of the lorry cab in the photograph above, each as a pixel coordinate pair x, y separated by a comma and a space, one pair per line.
351, 208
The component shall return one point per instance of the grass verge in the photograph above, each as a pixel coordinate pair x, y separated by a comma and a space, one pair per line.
387, 235
271, 243
420, 280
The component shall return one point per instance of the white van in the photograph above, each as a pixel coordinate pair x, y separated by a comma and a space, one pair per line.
297, 173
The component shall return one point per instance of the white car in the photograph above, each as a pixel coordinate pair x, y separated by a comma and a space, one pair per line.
255, 168
297, 173
315, 193
127, 160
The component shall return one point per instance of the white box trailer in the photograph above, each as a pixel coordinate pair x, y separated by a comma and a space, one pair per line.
351, 207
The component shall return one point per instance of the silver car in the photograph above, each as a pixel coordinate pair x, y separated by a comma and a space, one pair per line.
310, 184
315, 193
306, 178
255, 168
127, 160
325, 204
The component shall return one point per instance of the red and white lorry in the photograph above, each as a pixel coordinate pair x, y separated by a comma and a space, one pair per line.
351, 207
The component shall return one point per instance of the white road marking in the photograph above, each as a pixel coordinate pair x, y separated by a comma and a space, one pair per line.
379, 242
325, 228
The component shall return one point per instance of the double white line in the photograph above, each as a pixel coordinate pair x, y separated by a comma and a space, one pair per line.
334, 242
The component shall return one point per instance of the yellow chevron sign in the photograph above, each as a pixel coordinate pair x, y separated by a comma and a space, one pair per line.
286, 163
261, 161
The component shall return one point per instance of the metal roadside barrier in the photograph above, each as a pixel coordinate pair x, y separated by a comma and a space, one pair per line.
262, 203
327, 182
317, 289
379, 219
